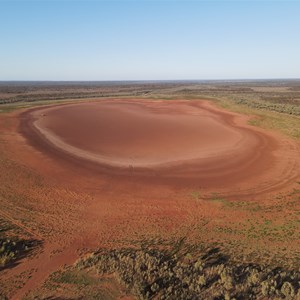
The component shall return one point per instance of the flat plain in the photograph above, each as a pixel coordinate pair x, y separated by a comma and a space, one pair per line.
151, 190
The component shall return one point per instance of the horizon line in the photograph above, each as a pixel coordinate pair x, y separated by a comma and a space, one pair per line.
151, 80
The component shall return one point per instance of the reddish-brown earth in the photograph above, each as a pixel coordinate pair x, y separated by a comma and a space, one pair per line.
176, 142
106, 173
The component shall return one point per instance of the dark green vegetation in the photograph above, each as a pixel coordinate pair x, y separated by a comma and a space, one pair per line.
13, 247
11, 250
184, 273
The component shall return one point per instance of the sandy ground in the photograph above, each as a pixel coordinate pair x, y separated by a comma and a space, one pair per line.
105, 173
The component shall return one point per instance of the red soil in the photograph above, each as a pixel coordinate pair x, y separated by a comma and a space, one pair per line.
116, 170
175, 142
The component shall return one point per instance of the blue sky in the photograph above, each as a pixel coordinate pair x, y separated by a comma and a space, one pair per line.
149, 40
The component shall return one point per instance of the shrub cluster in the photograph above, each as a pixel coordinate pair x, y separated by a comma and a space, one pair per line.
159, 274
278, 107
12, 249
7, 251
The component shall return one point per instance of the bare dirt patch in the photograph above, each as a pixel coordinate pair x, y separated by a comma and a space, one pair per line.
167, 141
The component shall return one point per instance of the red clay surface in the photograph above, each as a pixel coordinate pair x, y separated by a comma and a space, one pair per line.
107, 173
175, 142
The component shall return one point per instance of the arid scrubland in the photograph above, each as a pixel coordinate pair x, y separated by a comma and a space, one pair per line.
144, 242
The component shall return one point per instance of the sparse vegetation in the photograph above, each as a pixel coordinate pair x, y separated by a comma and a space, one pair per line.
69, 277
196, 195
278, 107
